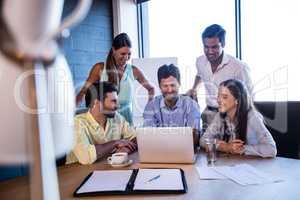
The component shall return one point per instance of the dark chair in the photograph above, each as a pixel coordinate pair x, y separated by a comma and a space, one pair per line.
281, 119
12, 171
61, 161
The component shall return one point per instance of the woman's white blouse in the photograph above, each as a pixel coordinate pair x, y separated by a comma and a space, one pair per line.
259, 140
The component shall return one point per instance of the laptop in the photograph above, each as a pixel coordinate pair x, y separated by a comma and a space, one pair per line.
165, 145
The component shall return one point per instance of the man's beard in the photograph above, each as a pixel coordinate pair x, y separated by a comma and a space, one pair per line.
110, 115
170, 97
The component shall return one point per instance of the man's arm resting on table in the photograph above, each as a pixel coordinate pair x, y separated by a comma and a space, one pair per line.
128, 150
103, 150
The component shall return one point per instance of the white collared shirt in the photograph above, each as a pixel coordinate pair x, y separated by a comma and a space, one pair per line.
230, 68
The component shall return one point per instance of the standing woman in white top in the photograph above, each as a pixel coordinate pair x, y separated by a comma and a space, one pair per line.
117, 71
238, 127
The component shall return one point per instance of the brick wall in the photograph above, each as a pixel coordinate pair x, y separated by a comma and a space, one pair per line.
90, 41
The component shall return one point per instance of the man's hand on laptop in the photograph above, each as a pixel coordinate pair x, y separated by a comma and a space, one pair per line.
125, 145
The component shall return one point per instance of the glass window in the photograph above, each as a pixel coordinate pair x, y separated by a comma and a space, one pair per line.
175, 29
270, 45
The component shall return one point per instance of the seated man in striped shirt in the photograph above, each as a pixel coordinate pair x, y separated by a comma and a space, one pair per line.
101, 131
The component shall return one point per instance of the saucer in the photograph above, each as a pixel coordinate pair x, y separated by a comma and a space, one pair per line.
129, 162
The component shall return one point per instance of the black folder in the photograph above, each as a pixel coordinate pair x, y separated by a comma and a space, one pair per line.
130, 186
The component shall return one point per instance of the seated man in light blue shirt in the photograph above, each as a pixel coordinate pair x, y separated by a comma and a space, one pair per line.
171, 109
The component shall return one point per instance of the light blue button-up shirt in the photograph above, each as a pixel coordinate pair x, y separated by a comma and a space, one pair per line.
185, 113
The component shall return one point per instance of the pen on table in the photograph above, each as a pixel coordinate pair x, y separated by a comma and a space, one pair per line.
152, 179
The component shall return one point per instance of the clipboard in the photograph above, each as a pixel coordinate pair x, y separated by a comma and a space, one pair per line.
134, 178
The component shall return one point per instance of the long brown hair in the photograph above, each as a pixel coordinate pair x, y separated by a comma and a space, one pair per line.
121, 40
239, 92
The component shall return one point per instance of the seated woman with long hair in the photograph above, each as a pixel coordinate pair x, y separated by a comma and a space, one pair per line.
238, 127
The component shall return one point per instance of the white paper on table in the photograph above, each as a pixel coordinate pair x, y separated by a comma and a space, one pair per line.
208, 173
169, 179
115, 180
245, 174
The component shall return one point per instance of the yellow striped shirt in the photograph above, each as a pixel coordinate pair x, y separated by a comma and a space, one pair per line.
88, 133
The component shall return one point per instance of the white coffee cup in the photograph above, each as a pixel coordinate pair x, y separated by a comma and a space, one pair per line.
118, 158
